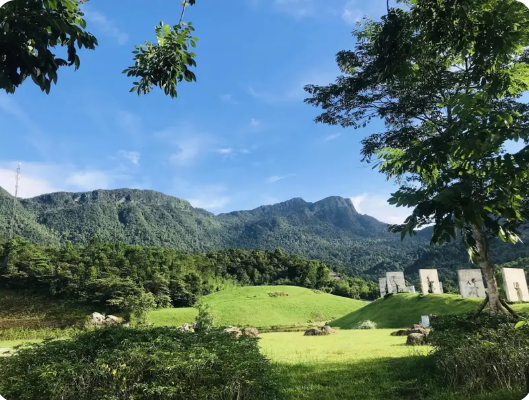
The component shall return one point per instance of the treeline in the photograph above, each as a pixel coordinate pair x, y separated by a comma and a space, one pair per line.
113, 276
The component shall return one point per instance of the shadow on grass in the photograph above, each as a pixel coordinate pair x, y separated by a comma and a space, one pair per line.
380, 379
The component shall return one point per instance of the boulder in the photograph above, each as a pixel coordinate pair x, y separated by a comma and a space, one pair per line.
252, 332
127, 324
186, 328
233, 330
313, 332
96, 319
422, 331
416, 339
402, 332
117, 320
417, 326
328, 330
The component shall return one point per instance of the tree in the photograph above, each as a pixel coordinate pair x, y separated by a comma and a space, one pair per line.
446, 78
31, 29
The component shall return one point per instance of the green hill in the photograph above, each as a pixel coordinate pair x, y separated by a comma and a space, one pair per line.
403, 310
254, 306
330, 230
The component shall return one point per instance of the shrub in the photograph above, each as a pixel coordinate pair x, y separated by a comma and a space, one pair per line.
278, 294
367, 325
316, 316
140, 363
488, 351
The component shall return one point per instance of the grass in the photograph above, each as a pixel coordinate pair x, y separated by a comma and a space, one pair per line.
403, 310
253, 306
26, 310
360, 365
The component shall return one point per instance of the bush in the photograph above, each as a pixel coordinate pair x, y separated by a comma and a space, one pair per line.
140, 363
367, 325
489, 351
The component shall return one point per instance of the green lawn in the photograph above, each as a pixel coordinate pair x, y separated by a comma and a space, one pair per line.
403, 310
253, 306
359, 365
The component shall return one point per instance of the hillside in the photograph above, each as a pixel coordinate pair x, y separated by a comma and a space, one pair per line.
253, 306
404, 310
330, 229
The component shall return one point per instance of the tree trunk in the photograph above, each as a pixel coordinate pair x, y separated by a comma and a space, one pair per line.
485, 263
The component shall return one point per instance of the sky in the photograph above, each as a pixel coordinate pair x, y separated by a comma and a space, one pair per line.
238, 138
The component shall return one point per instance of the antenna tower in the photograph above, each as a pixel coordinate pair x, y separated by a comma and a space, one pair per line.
14, 215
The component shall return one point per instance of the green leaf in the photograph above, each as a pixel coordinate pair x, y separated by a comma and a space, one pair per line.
519, 324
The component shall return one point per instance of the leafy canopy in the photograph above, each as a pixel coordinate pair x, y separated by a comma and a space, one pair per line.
30, 30
446, 78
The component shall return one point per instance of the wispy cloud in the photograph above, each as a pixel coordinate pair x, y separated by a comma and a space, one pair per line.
377, 206
225, 151
106, 25
351, 13
189, 144
276, 178
228, 98
255, 122
36, 136
328, 138
40, 178
296, 8
132, 156
210, 197
294, 91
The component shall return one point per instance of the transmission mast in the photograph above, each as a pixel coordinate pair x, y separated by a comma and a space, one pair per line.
14, 215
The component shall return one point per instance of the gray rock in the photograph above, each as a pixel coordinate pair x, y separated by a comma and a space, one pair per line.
252, 332
328, 330
313, 332
233, 330
416, 339
96, 319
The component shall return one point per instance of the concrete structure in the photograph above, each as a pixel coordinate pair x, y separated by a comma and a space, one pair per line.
382, 283
425, 321
409, 289
396, 282
471, 283
441, 287
430, 281
515, 284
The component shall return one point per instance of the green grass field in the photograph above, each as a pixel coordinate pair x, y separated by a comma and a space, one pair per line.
403, 310
252, 306
359, 365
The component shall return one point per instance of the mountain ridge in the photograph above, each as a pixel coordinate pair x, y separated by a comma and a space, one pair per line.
330, 229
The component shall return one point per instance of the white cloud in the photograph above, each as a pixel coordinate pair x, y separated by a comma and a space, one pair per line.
107, 26
38, 178
210, 197
296, 8
228, 98
255, 122
328, 138
276, 178
295, 91
89, 180
351, 13
225, 151
377, 206
29, 186
132, 156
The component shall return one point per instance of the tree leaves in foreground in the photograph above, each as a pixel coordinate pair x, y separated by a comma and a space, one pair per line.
31, 30
446, 78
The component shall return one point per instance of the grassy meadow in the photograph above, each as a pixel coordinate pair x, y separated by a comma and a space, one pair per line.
404, 309
253, 306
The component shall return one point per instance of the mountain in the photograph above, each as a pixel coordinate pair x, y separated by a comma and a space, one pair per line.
330, 229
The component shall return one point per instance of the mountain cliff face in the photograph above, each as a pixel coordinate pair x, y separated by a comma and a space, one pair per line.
330, 229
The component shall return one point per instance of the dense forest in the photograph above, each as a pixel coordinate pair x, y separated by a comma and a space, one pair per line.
330, 230
112, 275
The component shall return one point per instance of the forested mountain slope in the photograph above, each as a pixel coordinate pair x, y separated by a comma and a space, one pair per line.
330, 229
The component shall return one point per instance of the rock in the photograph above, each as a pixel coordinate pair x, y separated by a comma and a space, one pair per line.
234, 330
96, 319
416, 339
328, 330
117, 320
415, 326
252, 332
127, 324
186, 328
313, 332
422, 331
402, 332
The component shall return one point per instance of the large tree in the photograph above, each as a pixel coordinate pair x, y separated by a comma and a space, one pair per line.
32, 30
445, 77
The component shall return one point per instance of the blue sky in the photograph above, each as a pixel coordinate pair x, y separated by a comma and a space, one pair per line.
238, 138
